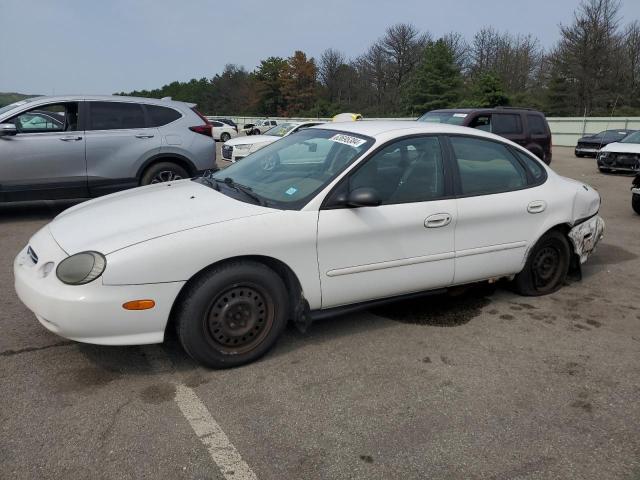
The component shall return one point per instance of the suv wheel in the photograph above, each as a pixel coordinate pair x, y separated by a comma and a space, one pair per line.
163, 172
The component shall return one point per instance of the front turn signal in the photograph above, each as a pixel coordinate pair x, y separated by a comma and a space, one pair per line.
139, 305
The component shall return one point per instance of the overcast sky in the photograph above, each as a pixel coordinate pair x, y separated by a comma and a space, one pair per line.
97, 46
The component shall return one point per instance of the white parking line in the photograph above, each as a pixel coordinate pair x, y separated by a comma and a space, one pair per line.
222, 451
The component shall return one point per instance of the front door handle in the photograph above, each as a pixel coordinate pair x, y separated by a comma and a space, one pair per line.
70, 138
144, 135
537, 206
437, 220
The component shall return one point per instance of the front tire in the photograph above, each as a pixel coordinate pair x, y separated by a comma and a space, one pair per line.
233, 314
635, 203
224, 137
547, 266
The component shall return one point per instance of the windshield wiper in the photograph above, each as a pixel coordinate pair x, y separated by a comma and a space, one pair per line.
244, 189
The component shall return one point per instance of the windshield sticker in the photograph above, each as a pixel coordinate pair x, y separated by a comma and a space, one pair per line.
348, 140
460, 115
291, 191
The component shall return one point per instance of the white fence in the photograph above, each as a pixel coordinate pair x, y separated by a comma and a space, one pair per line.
565, 130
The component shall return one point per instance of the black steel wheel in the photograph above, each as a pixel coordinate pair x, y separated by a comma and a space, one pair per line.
547, 266
232, 314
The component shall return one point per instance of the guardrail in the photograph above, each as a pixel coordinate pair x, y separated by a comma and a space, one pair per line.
565, 130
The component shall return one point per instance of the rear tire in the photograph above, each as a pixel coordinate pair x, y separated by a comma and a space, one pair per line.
163, 172
547, 266
233, 314
224, 136
635, 203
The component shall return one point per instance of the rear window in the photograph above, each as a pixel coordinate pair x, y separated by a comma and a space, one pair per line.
159, 116
115, 116
534, 167
453, 118
506, 123
536, 125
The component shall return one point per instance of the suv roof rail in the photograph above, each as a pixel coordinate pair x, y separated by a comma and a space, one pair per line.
515, 108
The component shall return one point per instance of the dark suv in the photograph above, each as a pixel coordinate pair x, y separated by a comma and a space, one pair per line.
523, 126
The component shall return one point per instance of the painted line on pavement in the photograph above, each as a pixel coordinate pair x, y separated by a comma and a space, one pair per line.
221, 450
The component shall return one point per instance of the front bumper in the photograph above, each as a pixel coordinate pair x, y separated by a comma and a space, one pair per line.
90, 313
586, 151
621, 162
586, 235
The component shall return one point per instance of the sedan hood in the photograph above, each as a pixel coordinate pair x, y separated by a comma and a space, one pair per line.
622, 147
251, 139
116, 221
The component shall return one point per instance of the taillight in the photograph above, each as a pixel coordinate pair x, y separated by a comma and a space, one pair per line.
202, 129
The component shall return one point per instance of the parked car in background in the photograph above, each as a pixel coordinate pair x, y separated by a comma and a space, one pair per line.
526, 127
86, 146
589, 145
622, 156
322, 221
228, 122
259, 127
635, 194
238, 148
222, 131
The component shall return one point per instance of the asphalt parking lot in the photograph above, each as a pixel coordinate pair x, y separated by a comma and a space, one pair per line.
480, 384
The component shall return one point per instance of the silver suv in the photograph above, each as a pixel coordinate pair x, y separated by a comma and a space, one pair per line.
77, 147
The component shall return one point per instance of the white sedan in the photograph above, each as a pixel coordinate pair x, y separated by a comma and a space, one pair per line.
222, 131
326, 220
238, 148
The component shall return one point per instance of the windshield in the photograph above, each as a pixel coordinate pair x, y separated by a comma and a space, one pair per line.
281, 130
633, 138
453, 118
16, 104
288, 173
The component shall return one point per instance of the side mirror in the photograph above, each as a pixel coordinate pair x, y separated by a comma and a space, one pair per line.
364, 197
7, 129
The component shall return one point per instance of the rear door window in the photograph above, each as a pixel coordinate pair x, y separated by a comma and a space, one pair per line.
506, 123
159, 116
536, 125
486, 167
115, 116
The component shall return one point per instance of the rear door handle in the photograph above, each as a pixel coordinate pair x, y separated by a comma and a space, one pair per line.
537, 206
70, 138
145, 135
437, 220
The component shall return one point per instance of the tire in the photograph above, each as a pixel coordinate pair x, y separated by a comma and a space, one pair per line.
255, 131
604, 170
224, 136
579, 155
233, 314
163, 172
635, 203
547, 266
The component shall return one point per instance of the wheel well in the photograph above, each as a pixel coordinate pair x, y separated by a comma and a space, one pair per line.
574, 266
297, 304
184, 163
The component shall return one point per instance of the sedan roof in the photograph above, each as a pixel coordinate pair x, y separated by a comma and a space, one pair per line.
375, 128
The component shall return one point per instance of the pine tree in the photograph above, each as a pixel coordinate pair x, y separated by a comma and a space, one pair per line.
436, 82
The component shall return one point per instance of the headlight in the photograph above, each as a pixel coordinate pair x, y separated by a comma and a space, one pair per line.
81, 268
242, 148
604, 154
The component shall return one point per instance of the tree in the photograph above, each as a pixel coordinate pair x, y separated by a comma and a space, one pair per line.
298, 79
586, 54
330, 71
436, 82
268, 85
488, 91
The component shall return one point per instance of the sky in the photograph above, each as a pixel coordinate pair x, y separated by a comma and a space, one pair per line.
107, 46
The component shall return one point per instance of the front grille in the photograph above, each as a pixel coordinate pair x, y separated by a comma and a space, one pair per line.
227, 152
621, 160
32, 255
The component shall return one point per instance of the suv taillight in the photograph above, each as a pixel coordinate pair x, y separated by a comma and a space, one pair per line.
202, 129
